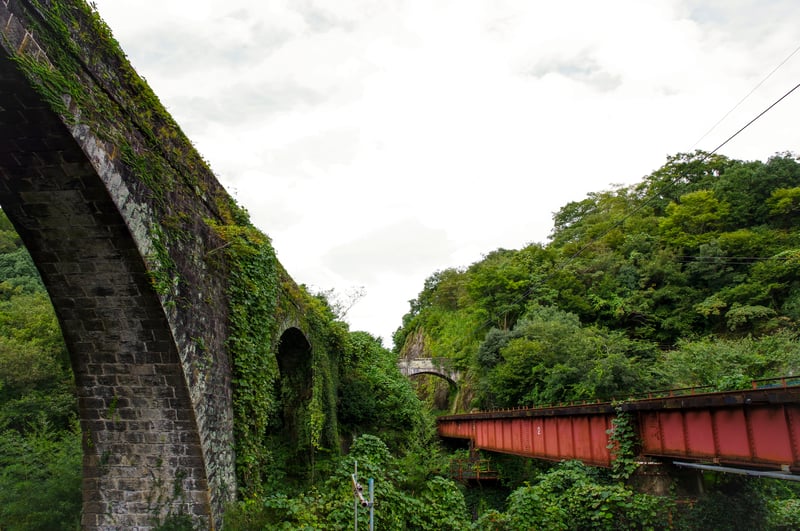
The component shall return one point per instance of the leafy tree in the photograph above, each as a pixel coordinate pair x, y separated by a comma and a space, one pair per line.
498, 286
40, 478
784, 205
549, 357
374, 396
694, 220
573, 496
722, 362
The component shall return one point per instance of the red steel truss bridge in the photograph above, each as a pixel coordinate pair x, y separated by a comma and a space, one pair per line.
754, 431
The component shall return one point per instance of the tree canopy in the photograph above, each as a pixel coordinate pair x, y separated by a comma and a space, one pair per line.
702, 254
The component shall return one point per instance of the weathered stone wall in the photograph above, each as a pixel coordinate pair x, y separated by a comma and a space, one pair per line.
118, 229
172, 305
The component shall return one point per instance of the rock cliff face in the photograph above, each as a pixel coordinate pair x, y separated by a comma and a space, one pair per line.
414, 346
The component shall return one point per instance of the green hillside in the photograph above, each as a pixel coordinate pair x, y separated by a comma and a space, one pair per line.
688, 278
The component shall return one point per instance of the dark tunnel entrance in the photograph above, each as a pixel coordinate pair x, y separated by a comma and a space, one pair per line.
296, 386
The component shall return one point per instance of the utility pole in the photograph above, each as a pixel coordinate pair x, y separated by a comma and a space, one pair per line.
358, 498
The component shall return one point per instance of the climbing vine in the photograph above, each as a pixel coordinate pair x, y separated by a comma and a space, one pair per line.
622, 442
84, 76
252, 295
163, 273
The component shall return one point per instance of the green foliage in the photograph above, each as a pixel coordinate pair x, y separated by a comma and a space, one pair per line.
572, 496
549, 358
40, 478
285, 429
733, 502
40, 444
18, 274
694, 220
720, 362
784, 514
252, 298
623, 440
784, 204
433, 504
440, 505
375, 397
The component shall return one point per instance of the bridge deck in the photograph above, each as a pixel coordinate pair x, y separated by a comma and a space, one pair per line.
757, 429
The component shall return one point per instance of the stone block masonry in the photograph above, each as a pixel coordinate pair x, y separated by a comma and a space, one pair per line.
125, 261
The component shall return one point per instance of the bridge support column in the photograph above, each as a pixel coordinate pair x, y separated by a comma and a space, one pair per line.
662, 479
652, 478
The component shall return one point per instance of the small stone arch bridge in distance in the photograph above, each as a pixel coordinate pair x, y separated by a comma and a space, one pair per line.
440, 367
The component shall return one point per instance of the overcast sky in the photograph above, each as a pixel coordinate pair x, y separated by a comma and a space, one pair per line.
377, 142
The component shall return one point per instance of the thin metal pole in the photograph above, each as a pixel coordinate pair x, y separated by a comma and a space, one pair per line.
355, 498
371, 504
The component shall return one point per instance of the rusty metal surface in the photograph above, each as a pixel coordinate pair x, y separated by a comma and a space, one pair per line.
757, 428
764, 435
554, 438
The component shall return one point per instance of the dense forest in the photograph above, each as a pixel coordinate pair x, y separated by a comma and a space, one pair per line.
688, 278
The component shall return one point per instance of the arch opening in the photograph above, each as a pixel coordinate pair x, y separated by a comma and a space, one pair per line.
435, 389
296, 386
137, 422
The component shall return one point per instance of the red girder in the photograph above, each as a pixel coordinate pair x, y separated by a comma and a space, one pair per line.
757, 429
545, 433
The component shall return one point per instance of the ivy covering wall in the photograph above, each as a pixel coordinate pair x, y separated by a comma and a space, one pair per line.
85, 77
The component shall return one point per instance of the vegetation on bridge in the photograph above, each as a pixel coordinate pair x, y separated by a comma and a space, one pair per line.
687, 278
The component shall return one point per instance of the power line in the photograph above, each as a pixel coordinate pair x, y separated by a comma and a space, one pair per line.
748, 124
758, 85
652, 198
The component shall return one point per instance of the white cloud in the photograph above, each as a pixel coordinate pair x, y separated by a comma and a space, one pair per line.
379, 141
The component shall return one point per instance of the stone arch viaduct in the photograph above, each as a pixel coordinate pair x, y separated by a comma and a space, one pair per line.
131, 233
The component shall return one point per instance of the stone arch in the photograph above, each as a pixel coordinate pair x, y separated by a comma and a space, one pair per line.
151, 367
446, 377
295, 359
141, 441
436, 366
439, 368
